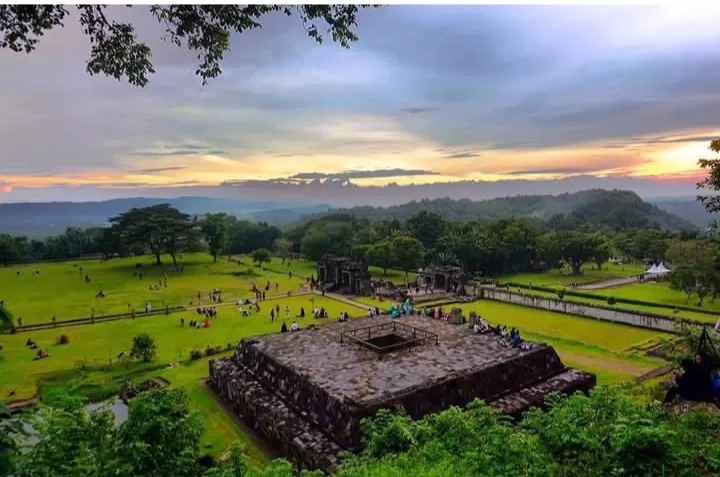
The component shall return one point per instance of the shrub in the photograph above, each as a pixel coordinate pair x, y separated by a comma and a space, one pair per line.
144, 347
611, 300
63, 339
195, 354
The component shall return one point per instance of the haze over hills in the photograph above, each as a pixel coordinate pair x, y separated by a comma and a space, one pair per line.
615, 208
43, 219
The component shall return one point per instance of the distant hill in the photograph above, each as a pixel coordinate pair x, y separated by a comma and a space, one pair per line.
49, 218
688, 208
614, 208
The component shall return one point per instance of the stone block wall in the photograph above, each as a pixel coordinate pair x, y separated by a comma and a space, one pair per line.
642, 320
312, 402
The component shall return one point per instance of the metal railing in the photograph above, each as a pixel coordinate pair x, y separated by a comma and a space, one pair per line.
410, 335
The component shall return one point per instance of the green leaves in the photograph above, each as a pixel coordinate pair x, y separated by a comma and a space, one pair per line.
144, 347
204, 29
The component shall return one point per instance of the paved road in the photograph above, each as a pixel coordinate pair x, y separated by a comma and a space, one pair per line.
609, 283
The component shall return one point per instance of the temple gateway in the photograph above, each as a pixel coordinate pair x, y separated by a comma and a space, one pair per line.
344, 275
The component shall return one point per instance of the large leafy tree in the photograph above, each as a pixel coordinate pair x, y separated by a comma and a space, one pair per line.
381, 255
144, 347
216, 230
261, 255
712, 181
6, 319
159, 228
578, 248
8, 249
407, 253
117, 51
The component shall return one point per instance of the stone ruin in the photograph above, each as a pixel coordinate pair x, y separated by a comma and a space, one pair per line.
306, 391
344, 275
445, 278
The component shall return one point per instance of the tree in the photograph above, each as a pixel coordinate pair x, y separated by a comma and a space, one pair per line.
315, 244
160, 228
161, 436
407, 253
601, 252
282, 247
261, 256
381, 255
8, 249
11, 429
6, 319
683, 279
712, 181
216, 229
427, 227
205, 29
577, 248
144, 347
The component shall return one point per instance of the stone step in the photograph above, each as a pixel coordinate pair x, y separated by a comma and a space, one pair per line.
567, 382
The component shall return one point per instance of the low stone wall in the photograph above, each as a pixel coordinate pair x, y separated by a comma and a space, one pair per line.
627, 317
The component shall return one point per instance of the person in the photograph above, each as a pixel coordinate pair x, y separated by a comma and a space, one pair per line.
302, 312
283, 328
476, 327
287, 311
694, 384
272, 314
182, 321
294, 326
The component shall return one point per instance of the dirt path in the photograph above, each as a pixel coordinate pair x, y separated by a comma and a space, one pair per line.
608, 283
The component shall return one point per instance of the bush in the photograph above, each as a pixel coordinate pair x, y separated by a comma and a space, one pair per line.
195, 354
63, 340
611, 300
144, 347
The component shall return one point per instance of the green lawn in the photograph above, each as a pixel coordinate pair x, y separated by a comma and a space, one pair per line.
597, 346
658, 293
601, 300
61, 291
561, 278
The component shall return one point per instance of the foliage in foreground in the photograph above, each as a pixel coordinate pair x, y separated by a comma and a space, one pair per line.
608, 433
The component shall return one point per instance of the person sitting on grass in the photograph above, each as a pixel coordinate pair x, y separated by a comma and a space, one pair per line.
294, 326
41, 354
283, 328
31, 344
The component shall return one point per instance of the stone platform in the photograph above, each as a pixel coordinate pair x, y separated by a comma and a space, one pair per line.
307, 391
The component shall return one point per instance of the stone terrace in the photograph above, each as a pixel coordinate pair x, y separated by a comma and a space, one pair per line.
319, 388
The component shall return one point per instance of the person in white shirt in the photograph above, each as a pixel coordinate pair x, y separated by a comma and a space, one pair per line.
294, 326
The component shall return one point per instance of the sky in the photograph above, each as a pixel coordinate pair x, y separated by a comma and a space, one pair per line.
429, 94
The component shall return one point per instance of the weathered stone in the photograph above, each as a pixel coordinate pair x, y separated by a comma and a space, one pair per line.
307, 391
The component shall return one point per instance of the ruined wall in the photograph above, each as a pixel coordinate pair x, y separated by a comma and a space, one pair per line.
313, 402
295, 437
642, 320
488, 384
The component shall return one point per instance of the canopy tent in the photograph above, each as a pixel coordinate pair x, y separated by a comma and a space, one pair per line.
657, 270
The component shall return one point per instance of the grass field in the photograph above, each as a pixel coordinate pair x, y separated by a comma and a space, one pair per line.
597, 346
601, 300
658, 293
84, 365
561, 278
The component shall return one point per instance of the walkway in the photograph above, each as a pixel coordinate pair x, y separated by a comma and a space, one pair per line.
344, 299
608, 283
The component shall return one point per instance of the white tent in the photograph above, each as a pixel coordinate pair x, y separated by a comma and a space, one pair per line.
662, 269
657, 270
652, 270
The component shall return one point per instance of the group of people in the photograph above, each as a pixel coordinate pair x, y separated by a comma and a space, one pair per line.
510, 339
699, 381
293, 327
41, 353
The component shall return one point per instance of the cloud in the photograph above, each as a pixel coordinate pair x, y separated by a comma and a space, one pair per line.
602, 80
157, 170
6, 188
461, 155
347, 175
553, 170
